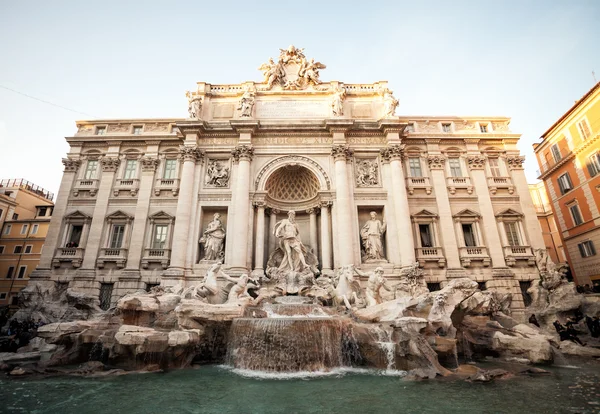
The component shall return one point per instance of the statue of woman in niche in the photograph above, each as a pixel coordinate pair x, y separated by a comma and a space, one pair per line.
213, 238
371, 234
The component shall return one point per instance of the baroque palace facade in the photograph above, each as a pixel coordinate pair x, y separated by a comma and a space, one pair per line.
157, 201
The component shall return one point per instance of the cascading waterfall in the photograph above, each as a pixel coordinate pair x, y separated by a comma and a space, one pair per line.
385, 343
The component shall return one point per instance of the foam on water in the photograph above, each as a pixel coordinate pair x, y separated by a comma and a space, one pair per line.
336, 372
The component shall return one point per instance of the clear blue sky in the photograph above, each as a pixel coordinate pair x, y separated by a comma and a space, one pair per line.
529, 60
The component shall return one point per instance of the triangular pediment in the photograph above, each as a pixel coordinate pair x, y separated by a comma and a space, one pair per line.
77, 215
425, 213
161, 215
119, 215
509, 212
467, 213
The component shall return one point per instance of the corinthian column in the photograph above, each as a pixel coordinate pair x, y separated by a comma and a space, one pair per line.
402, 212
136, 245
242, 155
341, 153
259, 253
272, 245
325, 239
189, 155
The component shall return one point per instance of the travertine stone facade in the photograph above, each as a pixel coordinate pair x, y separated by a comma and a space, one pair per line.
141, 194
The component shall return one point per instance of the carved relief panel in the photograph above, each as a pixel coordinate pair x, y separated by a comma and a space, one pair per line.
218, 172
366, 172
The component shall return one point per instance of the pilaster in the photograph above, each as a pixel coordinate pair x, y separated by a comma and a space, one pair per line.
341, 154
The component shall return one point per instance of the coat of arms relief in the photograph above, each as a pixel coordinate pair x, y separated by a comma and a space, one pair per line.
292, 71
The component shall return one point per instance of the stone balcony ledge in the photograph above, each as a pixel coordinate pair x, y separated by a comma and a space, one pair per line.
90, 185
413, 183
162, 256
494, 183
166, 184
474, 253
430, 254
455, 183
514, 253
68, 254
114, 255
126, 184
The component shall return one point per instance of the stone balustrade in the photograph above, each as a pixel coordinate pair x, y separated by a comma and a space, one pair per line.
162, 256
474, 253
495, 183
114, 255
68, 254
414, 183
455, 183
430, 254
166, 184
126, 184
88, 184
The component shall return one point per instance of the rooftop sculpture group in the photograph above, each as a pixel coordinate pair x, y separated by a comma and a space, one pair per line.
292, 70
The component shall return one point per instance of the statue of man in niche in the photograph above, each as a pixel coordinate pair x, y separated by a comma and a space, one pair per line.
289, 239
371, 235
213, 238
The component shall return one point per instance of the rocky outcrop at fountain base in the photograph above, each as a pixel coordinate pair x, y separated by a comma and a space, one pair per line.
424, 333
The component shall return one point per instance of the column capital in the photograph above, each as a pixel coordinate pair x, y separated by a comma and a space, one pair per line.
515, 162
476, 162
71, 165
110, 163
325, 204
341, 152
396, 151
149, 164
243, 152
275, 211
436, 162
190, 153
259, 204
311, 210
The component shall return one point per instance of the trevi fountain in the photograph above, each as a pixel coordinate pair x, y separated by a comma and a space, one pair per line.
377, 307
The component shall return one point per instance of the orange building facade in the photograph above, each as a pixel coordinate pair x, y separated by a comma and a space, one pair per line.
569, 159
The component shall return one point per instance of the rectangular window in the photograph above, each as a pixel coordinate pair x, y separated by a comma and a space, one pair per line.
576, 214
160, 236
18, 249
584, 129
483, 128
137, 130
9, 273
447, 127
425, 234
42, 211
1, 249
22, 271
101, 130
455, 170
410, 127
116, 237
105, 295
28, 249
15, 216
3, 296
90, 169
587, 248
564, 183
130, 169
24, 228
494, 167
414, 164
1, 211
170, 169
34, 228
7, 229
556, 153
593, 164
75, 236
512, 234
469, 234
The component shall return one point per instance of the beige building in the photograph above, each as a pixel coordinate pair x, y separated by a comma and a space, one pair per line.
25, 217
545, 215
139, 199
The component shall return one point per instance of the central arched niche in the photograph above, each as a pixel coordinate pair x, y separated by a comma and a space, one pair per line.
292, 185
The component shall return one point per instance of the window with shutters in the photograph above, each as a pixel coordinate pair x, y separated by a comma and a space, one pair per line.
556, 153
469, 235
414, 164
116, 236
576, 214
10, 271
454, 164
587, 248
22, 271
512, 234
159, 238
584, 129
593, 164
426, 235
564, 183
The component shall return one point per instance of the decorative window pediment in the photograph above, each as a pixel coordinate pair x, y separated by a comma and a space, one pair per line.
509, 215
161, 216
77, 215
467, 213
119, 215
425, 214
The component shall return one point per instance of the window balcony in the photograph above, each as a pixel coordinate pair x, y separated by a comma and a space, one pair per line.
494, 183
455, 183
413, 183
162, 256
126, 184
430, 254
90, 185
118, 256
474, 253
68, 254
166, 184
514, 253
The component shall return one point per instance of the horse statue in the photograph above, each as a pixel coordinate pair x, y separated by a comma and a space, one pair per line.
347, 289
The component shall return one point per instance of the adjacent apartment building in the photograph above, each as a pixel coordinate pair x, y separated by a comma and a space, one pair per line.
569, 159
547, 222
25, 212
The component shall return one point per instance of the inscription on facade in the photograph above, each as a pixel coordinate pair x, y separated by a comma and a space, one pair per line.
292, 109
291, 140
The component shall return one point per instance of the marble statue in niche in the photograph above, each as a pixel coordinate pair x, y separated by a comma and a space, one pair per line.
389, 103
371, 235
367, 173
246, 104
213, 239
217, 174
337, 102
289, 238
